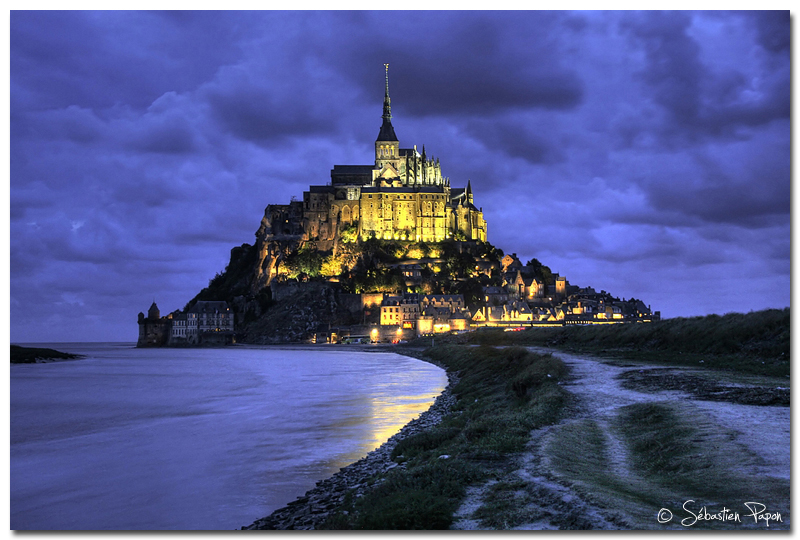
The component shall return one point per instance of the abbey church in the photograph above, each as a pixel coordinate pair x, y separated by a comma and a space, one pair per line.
402, 196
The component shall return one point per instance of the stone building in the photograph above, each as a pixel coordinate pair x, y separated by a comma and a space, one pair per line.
400, 310
154, 330
402, 196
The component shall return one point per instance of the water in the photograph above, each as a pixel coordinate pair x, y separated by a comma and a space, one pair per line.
154, 439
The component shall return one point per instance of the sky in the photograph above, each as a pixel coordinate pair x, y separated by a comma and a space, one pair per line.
642, 153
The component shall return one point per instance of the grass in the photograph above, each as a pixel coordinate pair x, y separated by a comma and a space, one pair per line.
756, 342
693, 458
579, 452
674, 454
507, 504
502, 394
682, 452
29, 355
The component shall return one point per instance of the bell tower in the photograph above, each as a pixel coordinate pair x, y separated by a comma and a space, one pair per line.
387, 147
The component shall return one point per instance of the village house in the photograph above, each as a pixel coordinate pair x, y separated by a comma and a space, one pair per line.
401, 310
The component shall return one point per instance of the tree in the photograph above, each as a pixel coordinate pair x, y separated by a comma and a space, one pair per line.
349, 233
331, 266
306, 260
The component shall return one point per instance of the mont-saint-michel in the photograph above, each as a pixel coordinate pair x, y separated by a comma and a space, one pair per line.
382, 252
511, 270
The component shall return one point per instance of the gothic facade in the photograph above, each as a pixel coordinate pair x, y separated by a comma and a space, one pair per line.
402, 196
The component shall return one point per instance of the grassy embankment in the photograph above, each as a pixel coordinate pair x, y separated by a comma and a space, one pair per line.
29, 355
674, 455
755, 343
502, 395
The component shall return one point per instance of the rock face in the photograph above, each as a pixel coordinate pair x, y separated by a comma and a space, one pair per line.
313, 307
280, 233
269, 311
313, 508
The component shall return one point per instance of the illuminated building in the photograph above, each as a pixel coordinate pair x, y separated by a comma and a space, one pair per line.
425, 314
401, 196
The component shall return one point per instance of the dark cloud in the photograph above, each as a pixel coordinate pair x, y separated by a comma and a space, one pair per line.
72, 123
101, 58
167, 137
673, 68
721, 200
472, 64
700, 99
254, 112
774, 30
515, 138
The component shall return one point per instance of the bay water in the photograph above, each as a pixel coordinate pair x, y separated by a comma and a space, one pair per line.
178, 439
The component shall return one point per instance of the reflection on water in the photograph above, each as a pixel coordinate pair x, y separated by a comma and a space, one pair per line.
196, 438
393, 414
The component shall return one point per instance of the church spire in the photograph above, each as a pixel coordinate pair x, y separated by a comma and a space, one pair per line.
387, 101
387, 131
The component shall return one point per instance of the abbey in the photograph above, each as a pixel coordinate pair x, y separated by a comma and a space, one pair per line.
402, 196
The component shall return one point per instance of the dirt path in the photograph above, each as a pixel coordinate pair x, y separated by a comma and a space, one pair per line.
559, 489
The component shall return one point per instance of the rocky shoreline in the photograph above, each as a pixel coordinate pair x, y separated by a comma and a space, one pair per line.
310, 510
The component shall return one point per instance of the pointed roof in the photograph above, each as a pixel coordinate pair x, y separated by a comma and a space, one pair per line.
387, 130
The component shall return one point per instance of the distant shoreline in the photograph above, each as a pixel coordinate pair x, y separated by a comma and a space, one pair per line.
40, 355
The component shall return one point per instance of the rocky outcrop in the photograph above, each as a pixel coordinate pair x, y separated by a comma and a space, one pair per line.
314, 307
281, 231
312, 509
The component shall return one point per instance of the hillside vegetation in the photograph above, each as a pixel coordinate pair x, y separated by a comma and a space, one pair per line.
755, 342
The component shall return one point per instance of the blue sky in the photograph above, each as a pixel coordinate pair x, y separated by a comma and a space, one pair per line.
647, 154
